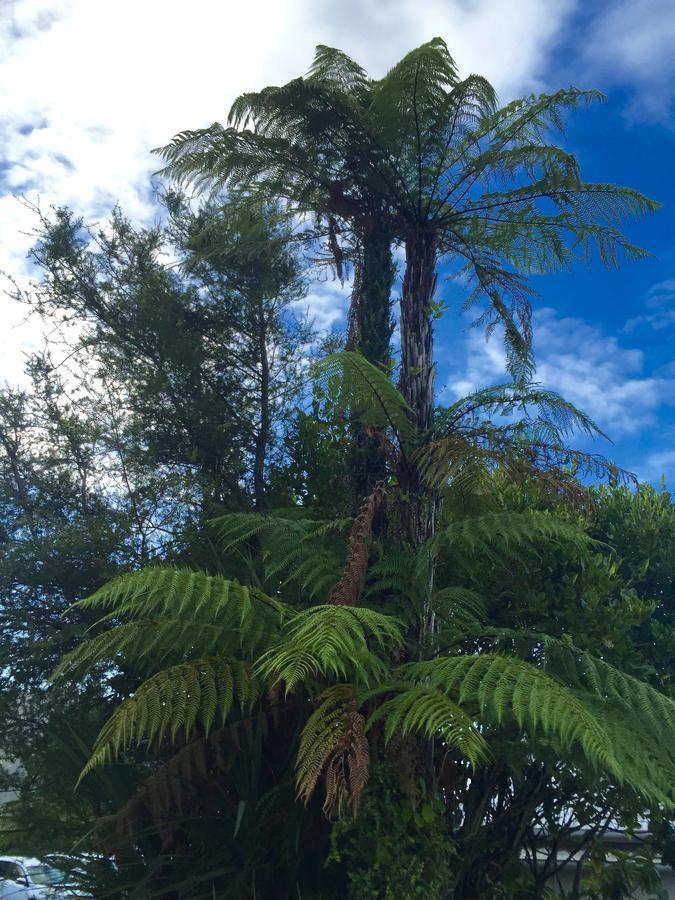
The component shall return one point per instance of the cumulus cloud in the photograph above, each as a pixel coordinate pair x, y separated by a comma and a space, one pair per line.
660, 301
325, 307
659, 465
589, 368
506, 42
630, 42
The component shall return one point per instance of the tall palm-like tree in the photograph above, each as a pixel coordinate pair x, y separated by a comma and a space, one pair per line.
430, 160
424, 159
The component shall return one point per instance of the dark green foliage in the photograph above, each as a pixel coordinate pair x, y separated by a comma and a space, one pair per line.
201, 359
441, 686
394, 849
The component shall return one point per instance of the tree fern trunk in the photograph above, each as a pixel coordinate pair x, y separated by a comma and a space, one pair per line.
377, 277
417, 341
419, 504
370, 333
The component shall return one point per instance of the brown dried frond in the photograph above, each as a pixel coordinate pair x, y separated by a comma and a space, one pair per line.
347, 768
354, 314
334, 744
335, 249
348, 589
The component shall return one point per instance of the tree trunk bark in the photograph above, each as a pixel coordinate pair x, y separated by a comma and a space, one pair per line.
375, 322
418, 504
370, 331
417, 340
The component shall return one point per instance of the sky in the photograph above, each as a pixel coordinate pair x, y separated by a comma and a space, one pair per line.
88, 88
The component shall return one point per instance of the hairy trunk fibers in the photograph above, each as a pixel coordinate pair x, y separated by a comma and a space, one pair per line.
370, 330
375, 322
419, 504
348, 589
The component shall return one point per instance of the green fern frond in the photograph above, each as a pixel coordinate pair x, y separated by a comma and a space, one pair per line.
165, 590
498, 687
509, 399
459, 605
336, 68
648, 764
412, 91
367, 393
655, 710
497, 533
179, 699
304, 552
429, 712
175, 613
402, 577
332, 641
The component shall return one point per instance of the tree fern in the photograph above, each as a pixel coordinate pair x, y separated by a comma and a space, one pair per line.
431, 153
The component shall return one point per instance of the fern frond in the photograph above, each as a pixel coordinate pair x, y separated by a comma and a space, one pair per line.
653, 709
367, 393
332, 641
459, 605
495, 534
304, 552
334, 743
648, 764
336, 68
499, 687
411, 92
176, 700
509, 399
166, 590
429, 712
162, 613
171, 786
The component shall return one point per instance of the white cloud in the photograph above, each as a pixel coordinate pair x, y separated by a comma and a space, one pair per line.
88, 88
590, 369
506, 42
324, 306
631, 42
660, 299
658, 465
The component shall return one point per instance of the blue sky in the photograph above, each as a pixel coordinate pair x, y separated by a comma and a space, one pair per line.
86, 89
604, 338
